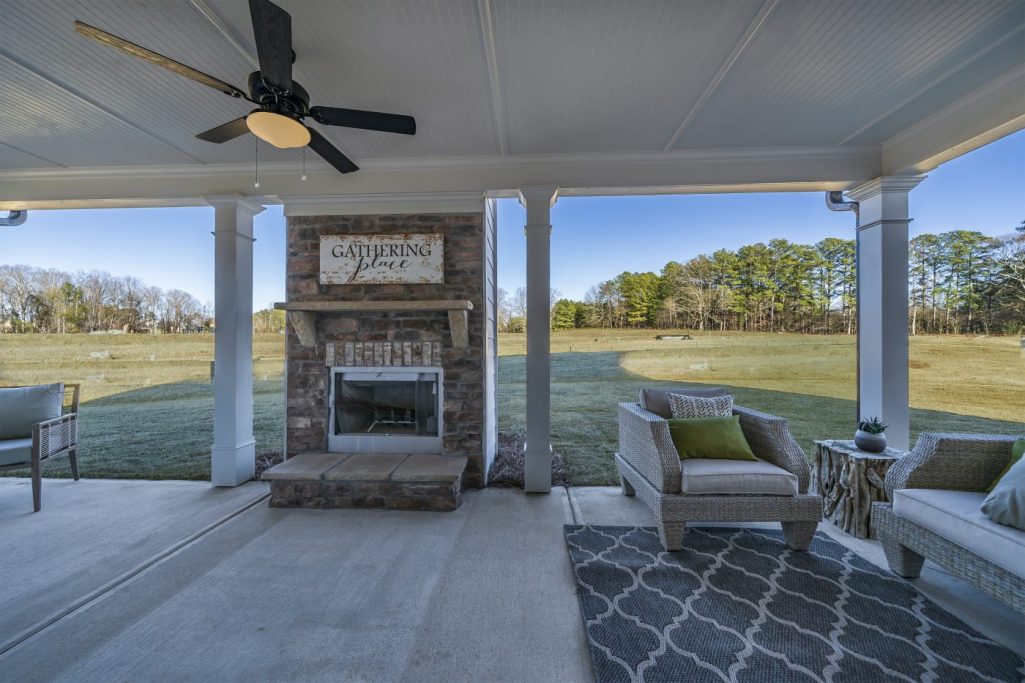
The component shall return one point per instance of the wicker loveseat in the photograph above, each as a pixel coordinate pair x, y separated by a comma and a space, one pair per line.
36, 424
937, 492
650, 467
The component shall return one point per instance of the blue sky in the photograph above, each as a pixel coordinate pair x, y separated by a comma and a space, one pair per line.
593, 238
596, 238
169, 248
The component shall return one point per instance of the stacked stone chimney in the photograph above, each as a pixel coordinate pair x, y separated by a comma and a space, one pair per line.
407, 338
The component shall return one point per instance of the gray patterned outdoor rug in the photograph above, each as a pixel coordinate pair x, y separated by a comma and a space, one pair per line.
738, 605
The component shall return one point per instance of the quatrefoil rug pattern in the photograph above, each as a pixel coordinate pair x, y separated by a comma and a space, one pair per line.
738, 605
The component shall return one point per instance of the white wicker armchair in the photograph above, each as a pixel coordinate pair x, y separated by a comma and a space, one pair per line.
649, 467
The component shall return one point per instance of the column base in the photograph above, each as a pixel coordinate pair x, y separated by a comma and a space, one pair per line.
232, 465
537, 470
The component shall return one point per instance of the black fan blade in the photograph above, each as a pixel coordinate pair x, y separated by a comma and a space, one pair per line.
113, 41
367, 120
272, 28
225, 131
320, 145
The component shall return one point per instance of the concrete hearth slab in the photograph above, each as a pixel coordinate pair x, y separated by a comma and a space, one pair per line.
304, 467
367, 467
430, 468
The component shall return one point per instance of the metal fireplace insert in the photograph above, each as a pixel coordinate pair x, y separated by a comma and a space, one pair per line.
386, 410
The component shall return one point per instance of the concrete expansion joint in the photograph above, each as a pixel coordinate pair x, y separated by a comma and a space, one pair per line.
83, 602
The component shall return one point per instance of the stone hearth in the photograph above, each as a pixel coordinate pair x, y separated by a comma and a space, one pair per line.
368, 480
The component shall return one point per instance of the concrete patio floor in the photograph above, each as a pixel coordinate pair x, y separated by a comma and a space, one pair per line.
179, 581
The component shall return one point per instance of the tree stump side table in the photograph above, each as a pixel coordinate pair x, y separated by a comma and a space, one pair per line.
849, 481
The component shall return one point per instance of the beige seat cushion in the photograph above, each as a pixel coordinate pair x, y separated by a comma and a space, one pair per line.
957, 516
14, 451
704, 476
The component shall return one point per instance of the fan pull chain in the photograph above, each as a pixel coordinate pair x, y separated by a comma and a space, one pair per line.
303, 176
256, 156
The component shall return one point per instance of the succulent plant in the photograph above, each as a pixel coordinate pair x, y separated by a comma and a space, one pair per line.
872, 425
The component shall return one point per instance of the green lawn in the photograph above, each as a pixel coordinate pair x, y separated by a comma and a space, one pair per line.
148, 403
957, 384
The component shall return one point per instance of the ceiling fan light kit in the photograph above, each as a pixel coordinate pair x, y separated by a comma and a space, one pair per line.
279, 130
283, 103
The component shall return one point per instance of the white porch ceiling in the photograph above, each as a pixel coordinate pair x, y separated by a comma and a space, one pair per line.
504, 79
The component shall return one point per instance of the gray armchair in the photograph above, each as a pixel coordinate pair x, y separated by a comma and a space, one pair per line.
936, 492
679, 492
36, 424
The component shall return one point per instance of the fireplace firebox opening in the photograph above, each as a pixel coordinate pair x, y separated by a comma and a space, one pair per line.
386, 410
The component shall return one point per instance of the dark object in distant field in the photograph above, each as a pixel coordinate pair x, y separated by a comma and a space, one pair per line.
673, 337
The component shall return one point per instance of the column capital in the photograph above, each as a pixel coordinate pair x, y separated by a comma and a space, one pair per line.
239, 201
885, 184
529, 194
538, 200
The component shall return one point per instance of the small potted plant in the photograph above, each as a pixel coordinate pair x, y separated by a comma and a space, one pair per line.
870, 436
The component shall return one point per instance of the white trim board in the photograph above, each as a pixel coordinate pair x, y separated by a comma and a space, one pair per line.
455, 179
364, 204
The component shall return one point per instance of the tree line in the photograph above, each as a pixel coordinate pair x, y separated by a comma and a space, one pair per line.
56, 302
959, 282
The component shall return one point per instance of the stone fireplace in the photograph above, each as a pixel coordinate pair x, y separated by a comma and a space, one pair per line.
377, 368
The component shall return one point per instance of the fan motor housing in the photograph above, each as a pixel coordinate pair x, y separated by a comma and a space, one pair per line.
295, 102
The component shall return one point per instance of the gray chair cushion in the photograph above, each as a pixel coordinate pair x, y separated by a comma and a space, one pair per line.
736, 477
957, 517
1005, 504
657, 400
15, 451
22, 407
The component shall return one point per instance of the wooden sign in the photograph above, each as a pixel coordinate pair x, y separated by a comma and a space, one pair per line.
382, 259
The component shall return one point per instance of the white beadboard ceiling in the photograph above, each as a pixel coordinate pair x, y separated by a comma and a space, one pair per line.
500, 77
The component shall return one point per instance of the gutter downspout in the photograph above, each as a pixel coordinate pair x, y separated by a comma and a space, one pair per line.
836, 202
14, 218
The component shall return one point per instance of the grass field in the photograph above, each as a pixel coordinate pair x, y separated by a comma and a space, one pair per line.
148, 403
957, 384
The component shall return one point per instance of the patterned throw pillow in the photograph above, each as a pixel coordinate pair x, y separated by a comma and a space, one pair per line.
690, 407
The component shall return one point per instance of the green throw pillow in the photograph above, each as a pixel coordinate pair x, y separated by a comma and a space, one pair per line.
1017, 450
718, 438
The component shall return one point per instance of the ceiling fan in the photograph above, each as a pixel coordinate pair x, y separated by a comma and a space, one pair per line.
282, 103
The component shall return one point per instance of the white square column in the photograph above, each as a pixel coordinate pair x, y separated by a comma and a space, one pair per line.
538, 201
882, 270
233, 455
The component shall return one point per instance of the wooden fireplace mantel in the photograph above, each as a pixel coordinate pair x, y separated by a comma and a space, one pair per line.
303, 315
